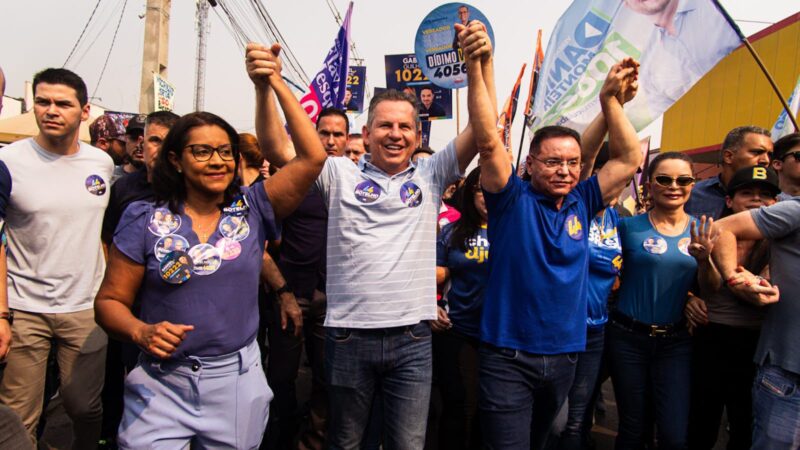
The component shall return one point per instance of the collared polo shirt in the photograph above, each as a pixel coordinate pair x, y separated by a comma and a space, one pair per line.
708, 198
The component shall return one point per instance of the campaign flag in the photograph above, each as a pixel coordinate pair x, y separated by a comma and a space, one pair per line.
327, 88
404, 74
509, 110
538, 58
783, 125
356, 82
676, 42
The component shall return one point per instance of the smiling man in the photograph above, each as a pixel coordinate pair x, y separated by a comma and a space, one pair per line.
53, 191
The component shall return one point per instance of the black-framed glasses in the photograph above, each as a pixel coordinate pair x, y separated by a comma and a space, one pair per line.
681, 181
796, 156
203, 152
555, 163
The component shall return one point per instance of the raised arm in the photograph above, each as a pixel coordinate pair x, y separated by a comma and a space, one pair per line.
261, 63
287, 188
624, 155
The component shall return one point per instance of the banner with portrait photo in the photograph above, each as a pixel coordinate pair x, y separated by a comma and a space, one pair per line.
676, 42
404, 74
354, 96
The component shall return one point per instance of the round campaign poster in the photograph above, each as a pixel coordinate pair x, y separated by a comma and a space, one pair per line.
436, 46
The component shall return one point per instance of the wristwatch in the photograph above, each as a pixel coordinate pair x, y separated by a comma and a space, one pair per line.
283, 289
8, 315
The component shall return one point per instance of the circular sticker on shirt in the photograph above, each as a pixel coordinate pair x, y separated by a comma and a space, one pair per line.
163, 222
206, 258
655, 245
683, 245
176, 267
574, 227
228, 248
170, 243
367, 191
234, 227
95, 185
238, 207
410, 194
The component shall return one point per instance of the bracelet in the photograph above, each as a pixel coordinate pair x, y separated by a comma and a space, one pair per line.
7, 315
283, 289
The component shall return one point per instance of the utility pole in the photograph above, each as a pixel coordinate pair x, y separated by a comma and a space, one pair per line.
203, 27
156, 46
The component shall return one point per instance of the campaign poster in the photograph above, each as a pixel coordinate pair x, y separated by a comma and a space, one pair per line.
354, 93
164, 94
404, 74
436, 44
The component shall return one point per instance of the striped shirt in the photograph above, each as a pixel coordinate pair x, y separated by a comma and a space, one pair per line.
382, 240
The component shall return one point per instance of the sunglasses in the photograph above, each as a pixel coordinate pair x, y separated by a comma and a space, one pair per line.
682, 181
796, 156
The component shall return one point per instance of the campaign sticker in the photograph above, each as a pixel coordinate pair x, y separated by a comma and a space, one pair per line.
206, 258
410, 194
238, 207
234, 227
163, 222
95, 185
176, 267
655, 245
367, 191
228, 248
170, 243
574, 227
683, 245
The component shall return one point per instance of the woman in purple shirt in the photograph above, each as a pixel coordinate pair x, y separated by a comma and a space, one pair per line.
193, 260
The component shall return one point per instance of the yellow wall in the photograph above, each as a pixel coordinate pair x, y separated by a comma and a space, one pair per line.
736, 92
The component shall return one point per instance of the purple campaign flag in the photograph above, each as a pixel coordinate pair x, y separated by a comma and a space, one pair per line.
327, 88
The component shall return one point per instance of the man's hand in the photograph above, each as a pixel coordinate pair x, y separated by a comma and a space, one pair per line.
263, 63
290, 310
474, 40
630, 85
5, 339
696, 312
703, 239
161, 339
752, 288
442, 323
619, 81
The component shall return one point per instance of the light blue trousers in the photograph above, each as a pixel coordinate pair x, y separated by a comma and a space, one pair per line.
211, 402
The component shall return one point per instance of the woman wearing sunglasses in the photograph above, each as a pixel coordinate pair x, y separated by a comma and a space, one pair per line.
199, 379
649, 344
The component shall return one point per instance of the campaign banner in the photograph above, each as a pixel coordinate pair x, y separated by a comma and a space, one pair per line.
676, 42
436, 44
783, 125
354, 95
327, 88
164, 93
404, 74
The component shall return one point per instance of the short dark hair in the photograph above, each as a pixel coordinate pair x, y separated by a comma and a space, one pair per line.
334, 112
651, 168
784, 144
250, 151
735, 138
166, 119
65, 77
392, 95
168, 184
550, 132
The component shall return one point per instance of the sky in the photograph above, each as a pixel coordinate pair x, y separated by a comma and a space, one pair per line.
41, 33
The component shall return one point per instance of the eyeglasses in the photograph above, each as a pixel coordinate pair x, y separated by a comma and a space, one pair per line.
681, 181
796, 156
555, 163
203, 152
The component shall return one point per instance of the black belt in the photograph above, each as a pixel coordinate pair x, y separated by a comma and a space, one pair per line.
646, 328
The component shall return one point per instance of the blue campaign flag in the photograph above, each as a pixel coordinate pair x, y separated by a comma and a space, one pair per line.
327, 88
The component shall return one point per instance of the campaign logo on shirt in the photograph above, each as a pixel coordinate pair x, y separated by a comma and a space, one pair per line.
367, 191
683, 245
95, 185
478, 249
170, 243
655, 245
228, 248
163, 222
176, 267
238, 207
206, 258
607, 238
234, 227
574, 227
411, 194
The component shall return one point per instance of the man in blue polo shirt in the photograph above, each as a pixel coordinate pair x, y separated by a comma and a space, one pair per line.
534, 315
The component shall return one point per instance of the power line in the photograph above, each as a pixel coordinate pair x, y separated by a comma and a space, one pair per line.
82, 32
108, 56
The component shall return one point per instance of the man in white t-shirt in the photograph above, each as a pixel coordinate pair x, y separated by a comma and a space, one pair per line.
53, 193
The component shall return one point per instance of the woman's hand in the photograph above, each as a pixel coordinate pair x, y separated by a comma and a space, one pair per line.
442, 323
703, 239
696, 312
160, 339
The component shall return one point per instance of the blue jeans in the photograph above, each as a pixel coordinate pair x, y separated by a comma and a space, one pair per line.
520, 395
581, 394
654, 367
776, 409
395, 360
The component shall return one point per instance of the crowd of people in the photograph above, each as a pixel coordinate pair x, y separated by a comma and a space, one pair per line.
175, 272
